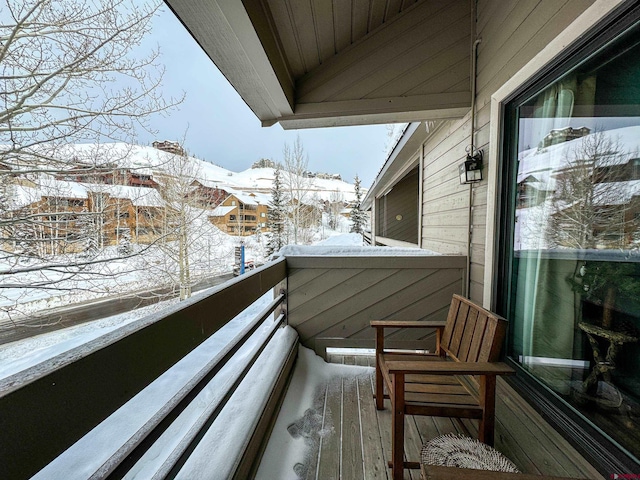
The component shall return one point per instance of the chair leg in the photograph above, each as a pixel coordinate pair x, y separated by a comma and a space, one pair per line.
379, 388
397, 427
488, 403
379, 380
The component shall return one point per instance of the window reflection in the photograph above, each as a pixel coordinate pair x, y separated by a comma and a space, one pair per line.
576, 263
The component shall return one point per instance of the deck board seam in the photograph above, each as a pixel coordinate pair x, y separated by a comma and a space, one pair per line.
341, 423
364, 466
324, 416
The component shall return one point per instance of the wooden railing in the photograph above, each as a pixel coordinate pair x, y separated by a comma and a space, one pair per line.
46, 409
387, 242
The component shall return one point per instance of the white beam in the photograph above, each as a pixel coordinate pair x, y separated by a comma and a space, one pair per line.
225, 32
377, 111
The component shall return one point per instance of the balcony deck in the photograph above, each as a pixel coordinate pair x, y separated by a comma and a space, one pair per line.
358, 445
360, 449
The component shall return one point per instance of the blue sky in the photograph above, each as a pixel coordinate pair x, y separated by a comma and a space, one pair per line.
220, 127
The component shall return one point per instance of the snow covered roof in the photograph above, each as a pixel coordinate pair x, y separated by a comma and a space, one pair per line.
242, 196
616, 193
50, 187
262, 198
139, 196
22, 195
222, 211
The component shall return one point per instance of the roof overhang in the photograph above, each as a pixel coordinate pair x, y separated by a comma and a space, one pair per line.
303, 66
232, 40
404, 157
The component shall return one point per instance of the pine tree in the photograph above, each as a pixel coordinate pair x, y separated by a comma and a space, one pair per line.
357, 216
276, 215
90, 231
124, 245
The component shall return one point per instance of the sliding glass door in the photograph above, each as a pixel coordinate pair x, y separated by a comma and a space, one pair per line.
574, 237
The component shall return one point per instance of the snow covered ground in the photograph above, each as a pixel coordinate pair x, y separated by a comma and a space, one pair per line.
30, 292
211, 254
17, 356
31, 286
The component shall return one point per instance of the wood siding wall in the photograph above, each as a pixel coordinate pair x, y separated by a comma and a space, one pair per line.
332, 299
402, 200
512, 33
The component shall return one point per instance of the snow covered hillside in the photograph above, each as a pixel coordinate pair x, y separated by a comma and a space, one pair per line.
146, 159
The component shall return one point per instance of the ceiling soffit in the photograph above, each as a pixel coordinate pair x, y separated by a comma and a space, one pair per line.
319, 63
312, 32
414, 65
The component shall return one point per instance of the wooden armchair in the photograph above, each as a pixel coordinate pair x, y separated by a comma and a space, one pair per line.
457, 380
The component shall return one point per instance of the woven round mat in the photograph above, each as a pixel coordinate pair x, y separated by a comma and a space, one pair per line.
464, 452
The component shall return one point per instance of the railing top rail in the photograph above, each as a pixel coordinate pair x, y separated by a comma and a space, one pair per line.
382, 260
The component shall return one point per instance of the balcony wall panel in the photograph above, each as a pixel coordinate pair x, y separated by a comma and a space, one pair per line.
332, 299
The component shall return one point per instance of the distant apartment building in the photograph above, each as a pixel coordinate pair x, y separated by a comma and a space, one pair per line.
241, 214
109, 175
59, 217
207, 194
561, 135
171, 147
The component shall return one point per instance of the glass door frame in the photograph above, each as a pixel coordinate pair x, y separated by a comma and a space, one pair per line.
604, 454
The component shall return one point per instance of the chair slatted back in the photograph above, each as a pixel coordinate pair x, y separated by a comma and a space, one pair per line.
472, 334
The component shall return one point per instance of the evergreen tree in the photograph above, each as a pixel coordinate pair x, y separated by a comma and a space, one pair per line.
276, 215
124, 245
90, 232
358, 218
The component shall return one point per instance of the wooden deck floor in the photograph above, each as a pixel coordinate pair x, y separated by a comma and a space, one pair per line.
355, 439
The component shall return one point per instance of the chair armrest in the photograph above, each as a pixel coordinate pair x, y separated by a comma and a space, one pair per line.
380, 325
407, 324
449, 368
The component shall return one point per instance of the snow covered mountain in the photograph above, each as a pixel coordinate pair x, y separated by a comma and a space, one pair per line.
149, 160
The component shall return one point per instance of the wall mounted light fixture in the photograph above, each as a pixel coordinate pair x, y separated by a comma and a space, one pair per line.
471, 170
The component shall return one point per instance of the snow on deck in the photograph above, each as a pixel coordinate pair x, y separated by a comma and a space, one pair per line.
289, 444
